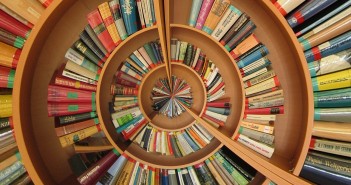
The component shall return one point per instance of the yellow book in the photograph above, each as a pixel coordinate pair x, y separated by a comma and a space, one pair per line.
71, 138
262, 128
341, 79
217, 11
106, 15
31, 10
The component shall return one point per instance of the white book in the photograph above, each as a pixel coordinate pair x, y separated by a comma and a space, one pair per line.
212, 77
202, 136
180, 177
193, 176
140, 136
253, 75
256, 146
71, 66
141, 13
227, 21
196, 58
216, 115
186, 146
203, 130
220, 80
269, 117
78, 77
142, 60
146, 13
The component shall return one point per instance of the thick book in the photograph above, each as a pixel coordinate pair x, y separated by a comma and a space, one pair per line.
14, 26
323, 177
9, 55
100, 30
62, 109
331, 146
260, 148
93, 174
106, 16
83, 61
112, 174
69, 95
11, 39
73, 137
67, 129
335, 80
7, 77
128, 9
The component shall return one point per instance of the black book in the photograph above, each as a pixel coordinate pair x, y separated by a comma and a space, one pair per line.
90, 43
175, 148
146, 139
186, 177
323, 177
204, 175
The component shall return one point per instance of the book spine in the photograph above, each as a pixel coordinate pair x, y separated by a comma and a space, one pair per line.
265, 104
217, 11
336, 80
116, 14
11, 39
141, 14
66, 82
242, 20
273, 82
333, 98
182, 51
319, 176
128, 9
85, 38
259, 79
107, 18
286, 6
270, 110
204, 174
307, 10
193, 176
194, 12
14, 15
62, 109
92, 36
11, 53
84, 49
113, 173
14, 26
94, 172
256, 146
64, 130
71, 138
76, 117
260, 117
28, 10
150, 53
13, 176
331, 63
204, 11
259, 136
100, 30
258, 127
73, 67
214, 172
246, 45
10, 169
7, 77
244, 32
266, 96
229, 18
5, 122
68, 95
333, 114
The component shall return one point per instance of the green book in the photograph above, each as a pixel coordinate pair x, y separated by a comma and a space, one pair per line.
333, 98
188, 55
150, 52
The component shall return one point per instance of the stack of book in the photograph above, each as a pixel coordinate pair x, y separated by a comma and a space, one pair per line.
169, 99
176, 143
223, 167
17, 19
264, 98
323, 30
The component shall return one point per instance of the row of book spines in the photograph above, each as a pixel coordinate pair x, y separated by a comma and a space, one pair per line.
12, 25
168, 143
12, 172
112, 28
125, 170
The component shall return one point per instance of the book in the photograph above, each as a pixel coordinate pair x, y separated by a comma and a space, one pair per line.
90, 54
11, 39
73, 137
16, 16
7, 76
331, 63
99, 28
14, 26
69, 95
30, 10
330, 146
235, 28
333, 163
10, 169
335, 80
126, 172
270, 110
245, 46
242, 33
116, 14
9, 54
67, 129
5, 122
194, 12
332, 98
94, 172
204, 11
63, 81
62, 109
203, 173
260, 148
229, 18
106, 16
75, 68
217, 11
258, 136
90, 38
128, 11
215, 174
262, 128
335, 45
112, 174
265, 104
286, 6
323, 177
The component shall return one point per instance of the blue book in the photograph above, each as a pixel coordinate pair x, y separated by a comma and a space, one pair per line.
194, 12
10, 169
129, 8
192, 144
137, 175
112, 174
337, 44
164, 177
323, 19
153, 12
323, 177
138, 62
154, 50
309, 9
131, 122
253, 56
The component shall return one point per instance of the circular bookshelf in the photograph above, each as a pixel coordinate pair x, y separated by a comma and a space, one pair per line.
57, 30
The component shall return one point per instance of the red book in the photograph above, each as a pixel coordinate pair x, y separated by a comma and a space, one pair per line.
200, 62
68, 82
127, 135
69, 95
222, 103
62, 109
92, 175
169, 144
123, 90
100, 30
157, 176
12, 25
270, 110
219, 122
46, 3
7, 76
67, 129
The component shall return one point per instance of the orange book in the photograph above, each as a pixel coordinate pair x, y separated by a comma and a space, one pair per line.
9, 55
106, 16
245, 46
31, 10
196, 137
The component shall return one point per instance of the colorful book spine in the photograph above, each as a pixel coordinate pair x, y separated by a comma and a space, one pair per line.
9, 55
85, 50
116, 13
245, 46
270, 110
256, 146
30, 10
14, 26
100, 30
204, 174
106, 16
62, 120
217, 11
11, 39
270, 83
90, 35
266, 96
308, 10
80, 60
62, 109
194, 12
92, 175
335, 80
16, 16
320, 176
333, 98
261, 128
342, 115
75, 68
69, 95
67, 82
7, 76
245, 31
229, 18
265, 104
204, 11
235, 28
64, 130
128, 9
331, 146
286, 6
113, 173
258, 136
71, 138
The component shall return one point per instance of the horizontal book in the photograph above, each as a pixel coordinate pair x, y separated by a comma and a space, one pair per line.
67, 129
69, 95
331, 146
62, 109
260, 148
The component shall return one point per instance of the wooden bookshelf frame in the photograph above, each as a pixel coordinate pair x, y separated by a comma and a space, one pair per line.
59, 27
